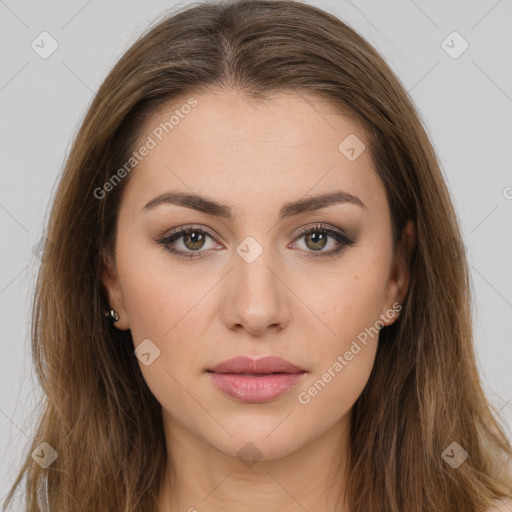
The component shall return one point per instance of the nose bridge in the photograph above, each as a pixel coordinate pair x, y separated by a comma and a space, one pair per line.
252, 268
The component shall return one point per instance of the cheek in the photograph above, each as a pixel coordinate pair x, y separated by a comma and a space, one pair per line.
345, 356
156, 295
163, 307
168, 307
352, 299
350, 304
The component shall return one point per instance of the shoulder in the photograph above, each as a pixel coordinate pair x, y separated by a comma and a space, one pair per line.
501, 506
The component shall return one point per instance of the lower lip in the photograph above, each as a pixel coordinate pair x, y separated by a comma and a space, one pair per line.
255, 389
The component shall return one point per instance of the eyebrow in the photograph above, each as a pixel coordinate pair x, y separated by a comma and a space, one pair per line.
216, 209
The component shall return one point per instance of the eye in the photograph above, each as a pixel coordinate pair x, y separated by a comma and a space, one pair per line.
316, 238
191, 239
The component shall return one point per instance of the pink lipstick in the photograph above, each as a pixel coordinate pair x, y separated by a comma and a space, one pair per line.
255, 381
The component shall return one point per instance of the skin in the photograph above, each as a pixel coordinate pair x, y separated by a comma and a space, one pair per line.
254, 158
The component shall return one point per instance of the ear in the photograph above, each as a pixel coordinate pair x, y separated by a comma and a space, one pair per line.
399, 277
113, 289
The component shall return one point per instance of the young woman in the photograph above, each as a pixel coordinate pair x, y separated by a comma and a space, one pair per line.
256, 294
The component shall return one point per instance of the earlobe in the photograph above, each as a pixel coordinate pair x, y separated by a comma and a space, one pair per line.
399, 278
113, 292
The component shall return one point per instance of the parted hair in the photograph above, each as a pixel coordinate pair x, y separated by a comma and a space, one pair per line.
424, 391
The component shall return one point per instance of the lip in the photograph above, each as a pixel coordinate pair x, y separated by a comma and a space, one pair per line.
245, 364
255, 381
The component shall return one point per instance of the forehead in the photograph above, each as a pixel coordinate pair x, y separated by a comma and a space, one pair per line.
228, 145
227, 117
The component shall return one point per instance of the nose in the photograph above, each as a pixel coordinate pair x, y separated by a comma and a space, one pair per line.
255, 297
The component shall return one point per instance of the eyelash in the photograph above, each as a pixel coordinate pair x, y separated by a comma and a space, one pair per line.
342, 238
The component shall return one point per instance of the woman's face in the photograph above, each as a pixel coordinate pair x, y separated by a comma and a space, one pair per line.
246, 280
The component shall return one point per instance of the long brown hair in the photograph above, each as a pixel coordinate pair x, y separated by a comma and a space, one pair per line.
424, 391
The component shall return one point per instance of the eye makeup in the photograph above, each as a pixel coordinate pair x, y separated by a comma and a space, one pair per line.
196, 235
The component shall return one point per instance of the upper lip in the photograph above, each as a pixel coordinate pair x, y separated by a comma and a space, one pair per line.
266, 365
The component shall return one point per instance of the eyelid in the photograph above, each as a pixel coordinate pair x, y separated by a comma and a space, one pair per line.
323, 227
189, 227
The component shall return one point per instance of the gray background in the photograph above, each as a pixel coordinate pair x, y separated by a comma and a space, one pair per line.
465, 102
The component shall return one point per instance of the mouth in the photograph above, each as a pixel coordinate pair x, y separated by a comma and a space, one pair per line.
255, 381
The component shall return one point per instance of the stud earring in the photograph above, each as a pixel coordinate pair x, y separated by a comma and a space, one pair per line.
112, 315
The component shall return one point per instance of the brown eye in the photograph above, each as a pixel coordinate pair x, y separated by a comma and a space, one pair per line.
190, 242
316, 240
193, 240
